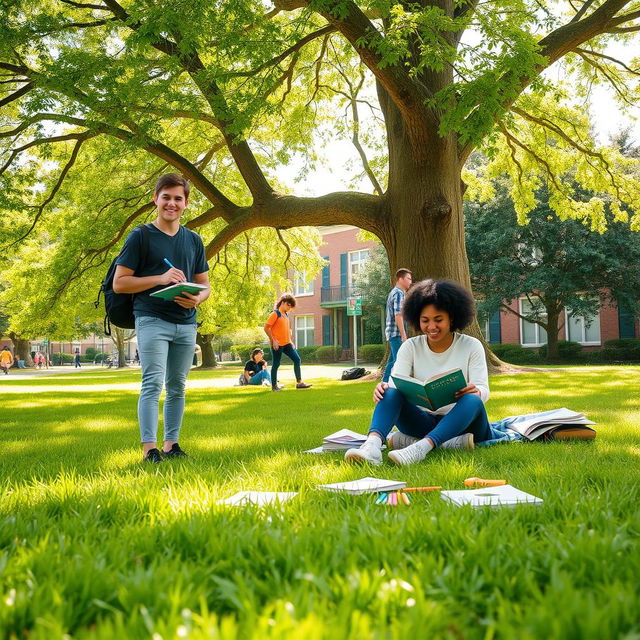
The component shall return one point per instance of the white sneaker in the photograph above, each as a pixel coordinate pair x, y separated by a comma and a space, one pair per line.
370, 451
465, 441
398, 440
415, 452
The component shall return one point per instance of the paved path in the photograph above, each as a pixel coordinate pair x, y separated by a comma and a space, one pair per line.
31, 377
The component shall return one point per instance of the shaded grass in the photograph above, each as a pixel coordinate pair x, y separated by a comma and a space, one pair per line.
95, 545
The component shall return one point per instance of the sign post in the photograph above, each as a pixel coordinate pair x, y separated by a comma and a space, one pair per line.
354, 308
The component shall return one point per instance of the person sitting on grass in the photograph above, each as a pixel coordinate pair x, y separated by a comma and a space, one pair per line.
277, 329
255, 370
438, 310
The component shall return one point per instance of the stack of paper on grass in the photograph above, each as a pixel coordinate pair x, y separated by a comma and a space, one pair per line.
505, 495
534, 425
364, 485
260, 498
343, 440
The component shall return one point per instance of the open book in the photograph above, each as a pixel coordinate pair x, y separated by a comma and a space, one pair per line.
175, 290
552, 423
505, 495
433, 393
364, 485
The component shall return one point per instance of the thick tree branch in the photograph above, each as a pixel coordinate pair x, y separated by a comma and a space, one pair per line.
239, 148
16, 95
359, 209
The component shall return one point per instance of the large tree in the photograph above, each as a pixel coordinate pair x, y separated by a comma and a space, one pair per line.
554, 264
226, 92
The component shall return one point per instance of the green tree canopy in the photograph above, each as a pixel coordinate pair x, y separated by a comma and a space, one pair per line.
555, 264
228, 92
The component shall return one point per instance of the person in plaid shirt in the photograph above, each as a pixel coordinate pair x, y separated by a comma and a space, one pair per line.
395, 331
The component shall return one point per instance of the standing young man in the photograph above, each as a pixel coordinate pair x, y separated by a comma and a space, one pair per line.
166, 329
395, 331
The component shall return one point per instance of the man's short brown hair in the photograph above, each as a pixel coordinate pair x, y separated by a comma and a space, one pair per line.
401, 273
172, 180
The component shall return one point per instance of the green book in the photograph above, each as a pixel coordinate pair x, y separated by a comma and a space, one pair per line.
175, 290
433, 393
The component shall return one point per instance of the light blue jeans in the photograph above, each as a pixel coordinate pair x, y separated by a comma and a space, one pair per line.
166, 354
257, 378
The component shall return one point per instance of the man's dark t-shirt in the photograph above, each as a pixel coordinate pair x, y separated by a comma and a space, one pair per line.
184, 251
252, 367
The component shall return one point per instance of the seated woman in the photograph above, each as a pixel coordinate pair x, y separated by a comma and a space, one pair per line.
255, 371
438, 310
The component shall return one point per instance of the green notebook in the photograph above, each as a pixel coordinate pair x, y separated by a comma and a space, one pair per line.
438, 391
175, 290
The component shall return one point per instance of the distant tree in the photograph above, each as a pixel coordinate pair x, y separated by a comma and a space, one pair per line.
555, 264
374, 283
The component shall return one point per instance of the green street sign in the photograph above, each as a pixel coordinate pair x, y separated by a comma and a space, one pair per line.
354, 306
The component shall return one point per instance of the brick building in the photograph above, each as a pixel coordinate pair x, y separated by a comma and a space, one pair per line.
320, 316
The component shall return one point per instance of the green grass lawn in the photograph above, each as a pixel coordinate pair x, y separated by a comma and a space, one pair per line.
95, 545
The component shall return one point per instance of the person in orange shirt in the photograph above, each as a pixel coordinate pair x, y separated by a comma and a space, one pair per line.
279, 333
6, 360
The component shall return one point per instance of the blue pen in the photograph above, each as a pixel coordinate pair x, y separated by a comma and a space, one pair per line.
167, 262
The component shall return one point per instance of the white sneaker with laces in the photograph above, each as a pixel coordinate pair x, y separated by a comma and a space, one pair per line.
370, 451
465, 441
398, 440
415, 452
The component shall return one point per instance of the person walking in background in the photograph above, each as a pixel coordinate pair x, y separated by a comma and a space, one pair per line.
6, 360
279, 333
395, 331
165, 329
255, 370
76, 359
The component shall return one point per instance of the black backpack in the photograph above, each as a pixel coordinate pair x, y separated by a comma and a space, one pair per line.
354, 373
119, 306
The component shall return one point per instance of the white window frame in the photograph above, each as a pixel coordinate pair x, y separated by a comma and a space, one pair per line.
306, 341
355, 258
537, 328
301, 286
567, 313
532, 255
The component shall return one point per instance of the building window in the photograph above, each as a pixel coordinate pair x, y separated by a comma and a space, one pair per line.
304, 331
357, 260
578, 331
531, 334
303, 285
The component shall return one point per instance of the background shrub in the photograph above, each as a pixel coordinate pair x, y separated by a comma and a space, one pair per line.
515, 353
568, 351
308, 354
622, 350
90, 353
328, 354
61, 358
371, 352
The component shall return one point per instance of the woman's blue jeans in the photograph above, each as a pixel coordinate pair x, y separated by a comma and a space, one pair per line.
467, 416
257, 378
166, 354
290, 351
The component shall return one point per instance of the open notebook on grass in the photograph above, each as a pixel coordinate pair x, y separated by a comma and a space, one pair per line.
505, 495
535, 425
364, 485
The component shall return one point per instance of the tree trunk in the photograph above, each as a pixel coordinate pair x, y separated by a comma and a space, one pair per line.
423, 206
21, 350
119, 337
552, 335
208, 354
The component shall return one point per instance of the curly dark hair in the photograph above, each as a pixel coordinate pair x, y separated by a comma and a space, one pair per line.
443, 294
